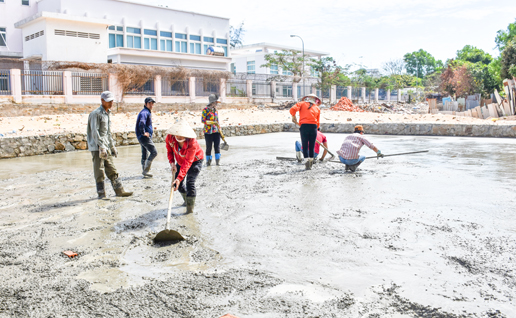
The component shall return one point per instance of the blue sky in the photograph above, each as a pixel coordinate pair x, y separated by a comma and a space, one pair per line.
376, 30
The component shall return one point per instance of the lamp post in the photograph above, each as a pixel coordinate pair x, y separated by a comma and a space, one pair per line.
303, 70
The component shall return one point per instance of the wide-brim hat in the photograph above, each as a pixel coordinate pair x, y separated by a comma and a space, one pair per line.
183, 129
312, 95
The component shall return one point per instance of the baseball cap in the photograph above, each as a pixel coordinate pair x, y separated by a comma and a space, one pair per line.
107, 96
149, 100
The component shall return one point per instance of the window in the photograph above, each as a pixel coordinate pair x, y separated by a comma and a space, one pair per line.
134, 42
208, 39
24, 2
285, 72
250, 67
195, 44
181, 47
225, 50
274, 69
150, 32
165, 45
180, 36
165, 34
205, 48
134, 30
195, 38
116, 37
222, 41
118, 28
150, 43
3, 36
233, 68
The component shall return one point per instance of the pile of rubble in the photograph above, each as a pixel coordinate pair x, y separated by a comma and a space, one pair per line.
396, 108
344, 104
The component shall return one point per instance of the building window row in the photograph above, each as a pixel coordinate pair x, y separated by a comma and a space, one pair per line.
150, 40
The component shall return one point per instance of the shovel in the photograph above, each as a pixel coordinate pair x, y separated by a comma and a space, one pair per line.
167, 234
225, 146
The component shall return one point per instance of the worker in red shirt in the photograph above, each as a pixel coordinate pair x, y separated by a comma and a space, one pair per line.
320, 138
309, 119
185, 157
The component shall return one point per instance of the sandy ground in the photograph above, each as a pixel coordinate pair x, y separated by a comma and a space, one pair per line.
76, 123
430, 235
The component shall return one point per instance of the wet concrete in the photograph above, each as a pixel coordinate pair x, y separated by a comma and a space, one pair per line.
431, 235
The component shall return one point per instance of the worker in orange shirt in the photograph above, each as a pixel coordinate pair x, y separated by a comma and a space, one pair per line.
309, 121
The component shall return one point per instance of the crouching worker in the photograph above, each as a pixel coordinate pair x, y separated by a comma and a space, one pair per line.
348, 153
320, 138
102, 147
185, 157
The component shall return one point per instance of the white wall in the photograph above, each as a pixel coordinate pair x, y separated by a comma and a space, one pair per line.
12, 11
36, 46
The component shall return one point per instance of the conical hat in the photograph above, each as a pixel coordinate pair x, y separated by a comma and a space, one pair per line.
183, 129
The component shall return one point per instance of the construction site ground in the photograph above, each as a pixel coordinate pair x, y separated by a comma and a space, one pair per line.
429, 235
122, 122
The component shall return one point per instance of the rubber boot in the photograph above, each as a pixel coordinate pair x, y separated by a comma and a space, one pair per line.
190, 203
354, 167
217, 159
119, 189
101, 191
299, 156
146, 169
184, 199
347, 168
309, 163
208, 160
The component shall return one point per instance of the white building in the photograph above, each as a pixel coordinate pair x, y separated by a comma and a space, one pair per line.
116, 31
250, 58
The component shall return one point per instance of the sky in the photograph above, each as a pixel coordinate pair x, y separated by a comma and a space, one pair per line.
366, 32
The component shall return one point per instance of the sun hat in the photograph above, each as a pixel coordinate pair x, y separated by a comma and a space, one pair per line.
181, 128
359, 127
107, 96
313, 96
213, 98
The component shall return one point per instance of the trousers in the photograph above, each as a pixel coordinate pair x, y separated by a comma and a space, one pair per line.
212, 140
191, 177
308, 136
149, 151
103, 167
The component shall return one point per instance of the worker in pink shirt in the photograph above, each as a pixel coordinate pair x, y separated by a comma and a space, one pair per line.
320, 138
348, 153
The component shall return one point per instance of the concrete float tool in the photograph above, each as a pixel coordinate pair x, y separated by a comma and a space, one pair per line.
167, 234
396, 154
225, 146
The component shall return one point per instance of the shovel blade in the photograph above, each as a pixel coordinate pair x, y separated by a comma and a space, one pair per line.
167, 236
225, 146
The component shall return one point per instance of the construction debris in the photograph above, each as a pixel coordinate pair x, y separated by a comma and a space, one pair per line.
344, 104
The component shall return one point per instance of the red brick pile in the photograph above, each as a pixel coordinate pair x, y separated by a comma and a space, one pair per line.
344, 104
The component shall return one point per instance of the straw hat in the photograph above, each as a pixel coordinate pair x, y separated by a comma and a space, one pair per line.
314, 96
183, 129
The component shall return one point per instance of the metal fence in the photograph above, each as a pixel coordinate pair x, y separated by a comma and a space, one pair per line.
394, 95
303, 90
205, 88
89, 83
284, 90
355, 93
174, 88
382, 94
146, 89
324, 93
341, 91
42, 83
262, 89
236, 88
5, 83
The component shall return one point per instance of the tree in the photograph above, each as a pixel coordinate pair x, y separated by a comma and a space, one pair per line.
236, 35
503, 38
474, 55
458, 79
394, 67
290, 61
508, 60
329, 72
421, 63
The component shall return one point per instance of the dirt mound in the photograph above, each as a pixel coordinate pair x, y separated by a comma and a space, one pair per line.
344, 104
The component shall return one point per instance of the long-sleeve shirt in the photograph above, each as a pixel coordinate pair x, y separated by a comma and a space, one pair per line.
144, 123
99, 130
184, 156
351, 146
210, 114
306, 116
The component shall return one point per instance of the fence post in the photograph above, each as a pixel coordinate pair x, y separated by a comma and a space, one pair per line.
157, 88
223, 90
250, 90
376, 95
399, 95
388, 95
16, 85
191, 87
67, 87
294, 91
273, 90
350, 88
363, 94
333, 94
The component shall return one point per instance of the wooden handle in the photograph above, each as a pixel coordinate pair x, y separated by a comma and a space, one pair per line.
170, 199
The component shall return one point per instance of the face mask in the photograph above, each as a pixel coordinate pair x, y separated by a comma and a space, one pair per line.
180, 140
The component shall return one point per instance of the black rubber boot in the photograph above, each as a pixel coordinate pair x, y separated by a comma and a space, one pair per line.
208, 162
190, 203
101, 191
119, 189
354, 167
184, 199
217, 161
309, 163
146, 169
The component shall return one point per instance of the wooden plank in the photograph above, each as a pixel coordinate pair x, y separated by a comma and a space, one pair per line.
507, 109
485, 112
492, 110
497, 97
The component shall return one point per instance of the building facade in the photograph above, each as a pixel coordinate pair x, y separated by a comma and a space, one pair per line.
112, 31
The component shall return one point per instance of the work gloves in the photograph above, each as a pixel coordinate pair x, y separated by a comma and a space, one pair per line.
103, 153
379, 154
114, 152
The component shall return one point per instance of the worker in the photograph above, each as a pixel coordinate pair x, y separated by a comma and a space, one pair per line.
210, 119
185, 157
309, 120
102, 147
144, 133
320, 138
348, 153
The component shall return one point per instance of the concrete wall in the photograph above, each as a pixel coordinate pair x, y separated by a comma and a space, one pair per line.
11, 147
